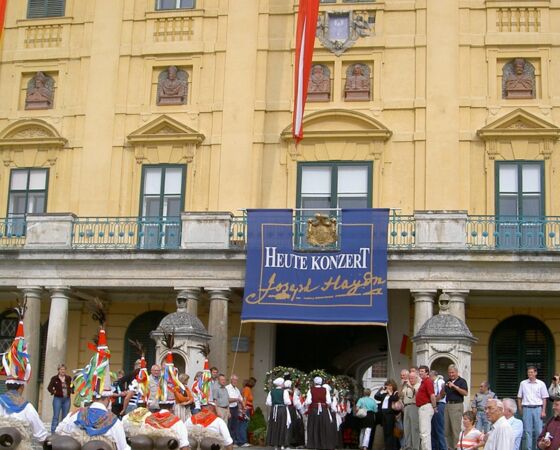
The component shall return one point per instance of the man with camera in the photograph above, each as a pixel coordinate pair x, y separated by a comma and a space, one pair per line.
554, 388
531, 402
456, 390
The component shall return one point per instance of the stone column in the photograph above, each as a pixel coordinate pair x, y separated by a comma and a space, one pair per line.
457, 299
423, 307
192, 296
32, 327
56, 343
218, 327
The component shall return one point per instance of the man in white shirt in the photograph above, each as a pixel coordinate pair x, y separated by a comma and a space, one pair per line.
531, 402
206, 428
500, 436
95, 420
510, 408
235, 402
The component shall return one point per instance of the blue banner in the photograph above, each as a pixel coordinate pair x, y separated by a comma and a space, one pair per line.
340, 277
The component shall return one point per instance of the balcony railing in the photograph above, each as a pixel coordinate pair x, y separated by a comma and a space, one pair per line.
146, 233
12, 232
401, 230
513, 233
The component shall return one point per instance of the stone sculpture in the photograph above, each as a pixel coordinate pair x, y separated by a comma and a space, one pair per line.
319, 89
40, 92
357, 87
172, 87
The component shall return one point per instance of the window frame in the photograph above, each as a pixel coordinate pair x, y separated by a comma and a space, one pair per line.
334, 179
177, 8
183, 168
10, 190
519, 164
45, 15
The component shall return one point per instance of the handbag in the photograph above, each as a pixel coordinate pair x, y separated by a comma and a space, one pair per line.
397, 406
361, 413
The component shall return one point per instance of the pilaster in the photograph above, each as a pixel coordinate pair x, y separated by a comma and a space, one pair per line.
32, 327
192, 297
423, 306
457, 300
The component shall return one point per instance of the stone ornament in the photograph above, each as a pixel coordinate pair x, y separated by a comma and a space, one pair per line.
338, 31
40, 92
172, 87
357, 87
518, 81
319, 89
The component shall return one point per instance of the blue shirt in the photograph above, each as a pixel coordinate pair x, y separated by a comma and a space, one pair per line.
367, 403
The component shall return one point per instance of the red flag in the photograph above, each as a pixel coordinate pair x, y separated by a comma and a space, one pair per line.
305, 41
3, 4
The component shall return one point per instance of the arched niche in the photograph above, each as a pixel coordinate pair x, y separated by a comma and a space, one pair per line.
139, 330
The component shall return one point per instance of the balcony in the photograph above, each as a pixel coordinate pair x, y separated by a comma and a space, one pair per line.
425, 230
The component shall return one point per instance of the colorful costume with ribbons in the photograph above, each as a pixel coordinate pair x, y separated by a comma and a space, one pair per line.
12, 402
95, 421
160, 420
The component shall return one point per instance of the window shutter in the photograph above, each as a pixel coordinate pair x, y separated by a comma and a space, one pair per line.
45, 8
506, 362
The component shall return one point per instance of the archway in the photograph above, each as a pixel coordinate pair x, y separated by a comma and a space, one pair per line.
139, 330
515, 344
441, 364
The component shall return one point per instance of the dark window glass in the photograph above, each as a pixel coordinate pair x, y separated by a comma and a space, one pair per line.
174, 4
37, 9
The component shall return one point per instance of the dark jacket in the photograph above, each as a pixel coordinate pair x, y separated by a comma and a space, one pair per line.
55, 386
380, 396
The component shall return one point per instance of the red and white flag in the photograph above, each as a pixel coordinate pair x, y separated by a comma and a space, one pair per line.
305, 41
3, 4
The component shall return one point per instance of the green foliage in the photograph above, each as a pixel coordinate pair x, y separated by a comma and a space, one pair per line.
257, 421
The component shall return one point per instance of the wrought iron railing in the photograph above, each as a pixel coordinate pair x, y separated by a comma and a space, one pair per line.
12, 232
401, 230
513, 233
146, 233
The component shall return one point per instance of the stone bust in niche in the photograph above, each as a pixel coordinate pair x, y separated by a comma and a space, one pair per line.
40, 92
319, 89
357, 87
172, 87
518, 79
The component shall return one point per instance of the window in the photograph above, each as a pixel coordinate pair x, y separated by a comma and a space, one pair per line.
37, 9
334, 185
174, 4
28, 194
520, 204
161, 203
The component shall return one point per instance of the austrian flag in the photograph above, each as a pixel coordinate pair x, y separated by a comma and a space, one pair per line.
3, 5
305, 41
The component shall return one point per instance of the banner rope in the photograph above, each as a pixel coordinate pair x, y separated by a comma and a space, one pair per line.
236, 349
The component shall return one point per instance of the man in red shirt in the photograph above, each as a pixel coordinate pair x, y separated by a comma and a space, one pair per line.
427, 406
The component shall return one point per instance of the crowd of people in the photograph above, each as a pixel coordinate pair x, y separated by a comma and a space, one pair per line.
425, 411
142, 410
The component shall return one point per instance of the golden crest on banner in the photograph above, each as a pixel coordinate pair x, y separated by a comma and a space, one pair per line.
321, 231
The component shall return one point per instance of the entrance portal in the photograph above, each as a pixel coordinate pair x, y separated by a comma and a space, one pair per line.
338, 349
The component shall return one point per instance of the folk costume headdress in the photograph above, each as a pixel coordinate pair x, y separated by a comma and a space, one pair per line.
201, 387
143, 377
15, 363
169, 380
94, 380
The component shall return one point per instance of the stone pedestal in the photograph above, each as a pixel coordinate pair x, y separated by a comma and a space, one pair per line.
218, 327
207, 230
441, 229
32, 327
49, 231
55, 353
357, 96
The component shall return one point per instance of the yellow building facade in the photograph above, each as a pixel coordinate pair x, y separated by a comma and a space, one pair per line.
440, 133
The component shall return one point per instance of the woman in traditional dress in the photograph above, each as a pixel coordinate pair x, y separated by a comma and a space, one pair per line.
278, 431
297, 432
319, 422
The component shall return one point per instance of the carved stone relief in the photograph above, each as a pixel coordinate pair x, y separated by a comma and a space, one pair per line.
40, 92
338, 31
358, 84
518, 80
319, 89
172, 87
